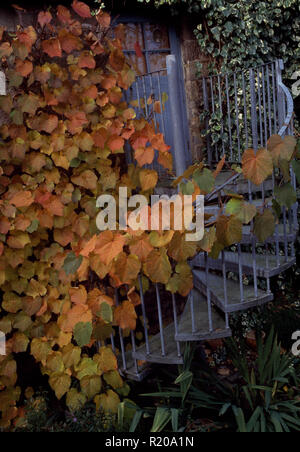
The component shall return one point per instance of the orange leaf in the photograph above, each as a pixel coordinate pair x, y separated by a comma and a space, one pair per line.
89, 246
82, 9
144, 156
63, 14
52, 47
22, 199
165, 159
79, 313
78, 295
125, 315
103, 19
87, 60
126, 268
108, 246
257, 167
141, 247
115, 143
219, 166
68, 41
24, 68
44, 18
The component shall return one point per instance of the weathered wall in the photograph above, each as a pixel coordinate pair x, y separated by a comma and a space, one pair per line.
191, 55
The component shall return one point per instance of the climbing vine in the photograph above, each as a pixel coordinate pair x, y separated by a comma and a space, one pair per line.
242, 33
62, 146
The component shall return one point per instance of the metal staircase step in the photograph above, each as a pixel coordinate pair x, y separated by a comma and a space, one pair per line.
198, 329
171, 355
234, 302
241, 185
132, 371
279, 236
263, 269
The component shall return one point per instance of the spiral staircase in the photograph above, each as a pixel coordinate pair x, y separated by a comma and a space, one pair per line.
239, 278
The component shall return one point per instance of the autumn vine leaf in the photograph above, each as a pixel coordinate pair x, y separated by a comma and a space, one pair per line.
257, 167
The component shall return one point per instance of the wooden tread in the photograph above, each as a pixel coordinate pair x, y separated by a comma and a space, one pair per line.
201, 325
216, 285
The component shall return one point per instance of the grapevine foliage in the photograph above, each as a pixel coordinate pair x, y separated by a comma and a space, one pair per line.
62, 145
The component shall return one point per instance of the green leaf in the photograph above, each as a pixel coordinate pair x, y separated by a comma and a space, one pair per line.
244, 211
72, 263
188, 188
106, 312
296, 168
83, 333
264, 225
33, 227
285, 195
204, 179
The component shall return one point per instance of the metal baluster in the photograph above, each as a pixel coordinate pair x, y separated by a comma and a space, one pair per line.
265, 107
253, 110
224, 280
286, 250
145, 96
176, 323
112, 340
241, 272
268, 267
193, 313
277, 245
259, 109
269, 100
160, 319
136, 367
213, 112
153, 94
160, 99
221, 111
274, 98
208, 294
237, 118
206, 107
229, 118
121, 335
144, 315
245, 110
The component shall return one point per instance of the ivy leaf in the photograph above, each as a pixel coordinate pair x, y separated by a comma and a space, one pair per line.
285, 195
83, 333
257, 167
264, 225
204, 179
72, 263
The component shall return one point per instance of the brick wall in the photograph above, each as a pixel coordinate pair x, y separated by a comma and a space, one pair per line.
191, 55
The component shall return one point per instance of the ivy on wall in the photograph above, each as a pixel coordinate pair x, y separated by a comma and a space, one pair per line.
242, 33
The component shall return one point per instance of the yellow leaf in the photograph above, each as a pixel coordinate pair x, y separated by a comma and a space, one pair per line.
148, 179
108, 402
60, 383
